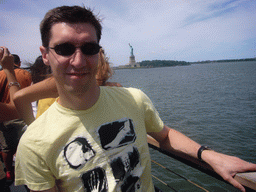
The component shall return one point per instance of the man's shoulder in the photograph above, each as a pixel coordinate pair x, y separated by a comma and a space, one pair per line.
122, 90
23, 77
2, 75
125, 93
19, 71
43, 123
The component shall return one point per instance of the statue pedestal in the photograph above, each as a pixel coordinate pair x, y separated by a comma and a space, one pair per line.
132, 62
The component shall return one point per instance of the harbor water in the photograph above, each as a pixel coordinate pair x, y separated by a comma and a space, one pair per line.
213, 104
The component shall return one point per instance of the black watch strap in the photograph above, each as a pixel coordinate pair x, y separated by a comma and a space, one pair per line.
200, 150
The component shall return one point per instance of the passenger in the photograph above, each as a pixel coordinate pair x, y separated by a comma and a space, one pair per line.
11, 130
95, 138
8, 110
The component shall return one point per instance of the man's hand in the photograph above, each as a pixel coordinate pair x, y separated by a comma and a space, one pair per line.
227, 166
224, 165
1, 53
6, 59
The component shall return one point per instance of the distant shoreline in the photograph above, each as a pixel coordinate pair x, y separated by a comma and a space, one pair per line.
224, 60
172, 63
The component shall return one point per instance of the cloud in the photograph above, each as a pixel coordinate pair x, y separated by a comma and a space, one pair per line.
21, 35
182, 30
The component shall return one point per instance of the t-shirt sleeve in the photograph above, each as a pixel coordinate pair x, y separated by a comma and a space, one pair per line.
30, 169
152, 119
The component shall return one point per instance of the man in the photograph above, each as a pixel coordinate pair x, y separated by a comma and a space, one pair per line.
10, 131
8, 110
95, 138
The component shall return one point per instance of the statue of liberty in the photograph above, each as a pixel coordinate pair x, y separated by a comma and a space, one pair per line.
132, 62
131, 49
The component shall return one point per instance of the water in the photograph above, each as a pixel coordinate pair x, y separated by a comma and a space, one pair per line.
213, 104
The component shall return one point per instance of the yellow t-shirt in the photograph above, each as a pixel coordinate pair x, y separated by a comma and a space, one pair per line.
43, 105
104, 147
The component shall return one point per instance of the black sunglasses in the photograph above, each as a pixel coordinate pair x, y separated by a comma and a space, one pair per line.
67, 49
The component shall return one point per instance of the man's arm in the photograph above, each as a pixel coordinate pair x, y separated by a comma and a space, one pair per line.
226, 166
172, 140
8, 112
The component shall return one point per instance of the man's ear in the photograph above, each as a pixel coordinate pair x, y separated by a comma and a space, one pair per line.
45, 53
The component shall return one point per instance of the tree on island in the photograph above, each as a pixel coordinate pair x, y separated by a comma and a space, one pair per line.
162, 63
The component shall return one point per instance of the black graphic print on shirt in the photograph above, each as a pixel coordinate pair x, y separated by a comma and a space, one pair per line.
95, 180
78, 152
117, 134
126, 169
125, 165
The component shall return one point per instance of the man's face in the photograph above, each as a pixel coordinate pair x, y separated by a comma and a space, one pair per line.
74, 74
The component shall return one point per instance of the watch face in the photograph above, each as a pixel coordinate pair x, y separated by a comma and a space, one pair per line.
200, 150
207, 147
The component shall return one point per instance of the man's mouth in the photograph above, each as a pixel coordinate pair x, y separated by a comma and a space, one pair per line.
78, 73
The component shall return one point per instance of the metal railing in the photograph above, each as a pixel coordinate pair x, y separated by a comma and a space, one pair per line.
248, 180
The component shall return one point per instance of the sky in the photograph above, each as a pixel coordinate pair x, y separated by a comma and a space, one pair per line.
183, 30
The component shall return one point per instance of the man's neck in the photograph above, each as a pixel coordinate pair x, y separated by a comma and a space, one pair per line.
79, 101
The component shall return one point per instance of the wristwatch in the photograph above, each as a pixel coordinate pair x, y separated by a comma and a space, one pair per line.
13, 84
200, 150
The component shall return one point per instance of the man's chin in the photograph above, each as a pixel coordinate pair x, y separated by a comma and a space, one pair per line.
78, 90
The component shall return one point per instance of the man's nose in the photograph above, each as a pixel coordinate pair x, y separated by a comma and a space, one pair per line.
78, 59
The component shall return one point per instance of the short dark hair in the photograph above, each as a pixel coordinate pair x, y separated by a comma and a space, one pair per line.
39, 71
68, 14
16, 59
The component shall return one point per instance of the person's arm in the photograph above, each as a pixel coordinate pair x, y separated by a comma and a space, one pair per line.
8, 111
226, 166
24, 97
